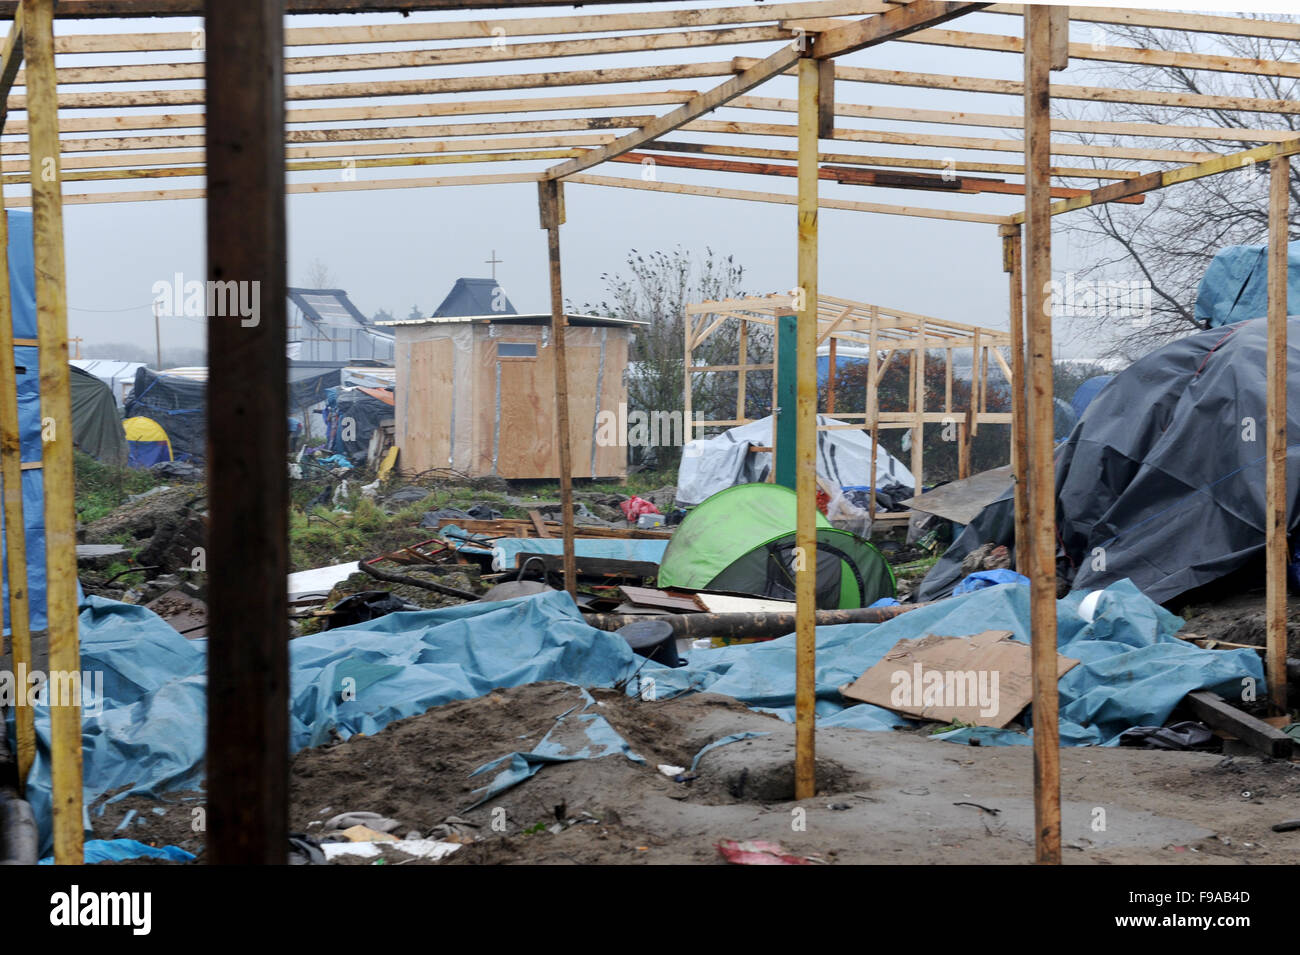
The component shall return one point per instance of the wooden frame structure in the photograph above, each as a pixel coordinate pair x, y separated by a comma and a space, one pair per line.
120, 137
883, 333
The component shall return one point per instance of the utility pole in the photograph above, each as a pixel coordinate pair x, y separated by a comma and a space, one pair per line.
157, 334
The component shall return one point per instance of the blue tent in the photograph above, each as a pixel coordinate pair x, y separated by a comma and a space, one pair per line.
1235, 286
1086, 391
22, 288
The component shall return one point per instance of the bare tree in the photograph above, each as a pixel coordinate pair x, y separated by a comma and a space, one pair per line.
320, 275
655, 289
1168, 241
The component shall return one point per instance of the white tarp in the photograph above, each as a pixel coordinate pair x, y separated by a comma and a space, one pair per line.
843, 459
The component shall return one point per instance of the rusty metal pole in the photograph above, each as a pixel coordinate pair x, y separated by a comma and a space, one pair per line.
247, 559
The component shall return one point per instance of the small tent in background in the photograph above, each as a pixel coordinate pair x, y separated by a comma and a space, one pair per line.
96, 427
147, 443
742, 540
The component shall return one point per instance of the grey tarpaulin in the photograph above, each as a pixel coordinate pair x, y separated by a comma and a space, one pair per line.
96, 425
1162, 481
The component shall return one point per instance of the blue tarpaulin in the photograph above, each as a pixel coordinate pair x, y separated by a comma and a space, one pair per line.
1235, 285
505, 549
22, 288
148, 735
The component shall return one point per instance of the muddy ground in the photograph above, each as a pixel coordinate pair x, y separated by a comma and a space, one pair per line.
883, 797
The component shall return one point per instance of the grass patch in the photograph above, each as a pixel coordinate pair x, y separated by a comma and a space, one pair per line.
101, 488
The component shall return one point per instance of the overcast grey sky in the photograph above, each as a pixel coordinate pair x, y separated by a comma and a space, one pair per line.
397, 248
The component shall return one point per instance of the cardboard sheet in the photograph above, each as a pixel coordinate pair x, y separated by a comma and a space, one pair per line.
983, 680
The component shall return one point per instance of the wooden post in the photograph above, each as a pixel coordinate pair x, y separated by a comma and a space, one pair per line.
975, 385
248, 487
15, 528
873, 406
688, 424
918, 406
56, 427
741, 375
1042, 499
551, 197
830, 377
1275, 480
805, 781
1011, 263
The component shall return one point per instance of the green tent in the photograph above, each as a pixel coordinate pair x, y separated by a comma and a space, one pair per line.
742, 540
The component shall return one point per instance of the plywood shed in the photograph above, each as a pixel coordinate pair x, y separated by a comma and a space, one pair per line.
476, 394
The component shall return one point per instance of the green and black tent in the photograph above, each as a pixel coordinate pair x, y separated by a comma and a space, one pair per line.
742, 540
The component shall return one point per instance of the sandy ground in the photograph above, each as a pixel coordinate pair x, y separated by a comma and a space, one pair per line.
883, 797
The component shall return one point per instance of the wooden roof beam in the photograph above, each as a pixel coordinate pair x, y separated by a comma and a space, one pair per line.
486, 29
1160, 180
1095, 94
873, 30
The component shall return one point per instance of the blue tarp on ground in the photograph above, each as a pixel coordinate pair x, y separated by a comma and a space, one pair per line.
1235, 285
149, 734
22, 287
505, 549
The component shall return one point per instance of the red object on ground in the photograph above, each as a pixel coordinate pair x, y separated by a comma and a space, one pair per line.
634, 507
823, 501
757, 852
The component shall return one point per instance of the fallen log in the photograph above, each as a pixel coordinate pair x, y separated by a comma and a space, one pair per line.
739, 626
437, 588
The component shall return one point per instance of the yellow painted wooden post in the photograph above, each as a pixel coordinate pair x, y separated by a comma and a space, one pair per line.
1275, 479
805, 774
15, 528
551, 199
56, 424
1042, 494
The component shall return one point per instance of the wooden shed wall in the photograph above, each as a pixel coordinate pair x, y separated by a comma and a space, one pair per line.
461, 404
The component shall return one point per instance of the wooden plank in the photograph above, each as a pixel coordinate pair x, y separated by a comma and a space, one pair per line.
1149, 182
897, 24
551, 199
1275, 523
805, 772
124, 9
976, 84
1115, 53
11, 59
1042, 499
662, 599
538, 524
15, 537
1019, 425
716, 192
1215, 712
482, 29
868, 32
248, 667
448, 56
57, 432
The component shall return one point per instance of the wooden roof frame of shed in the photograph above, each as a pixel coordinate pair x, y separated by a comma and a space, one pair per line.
245, 158
884, 332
